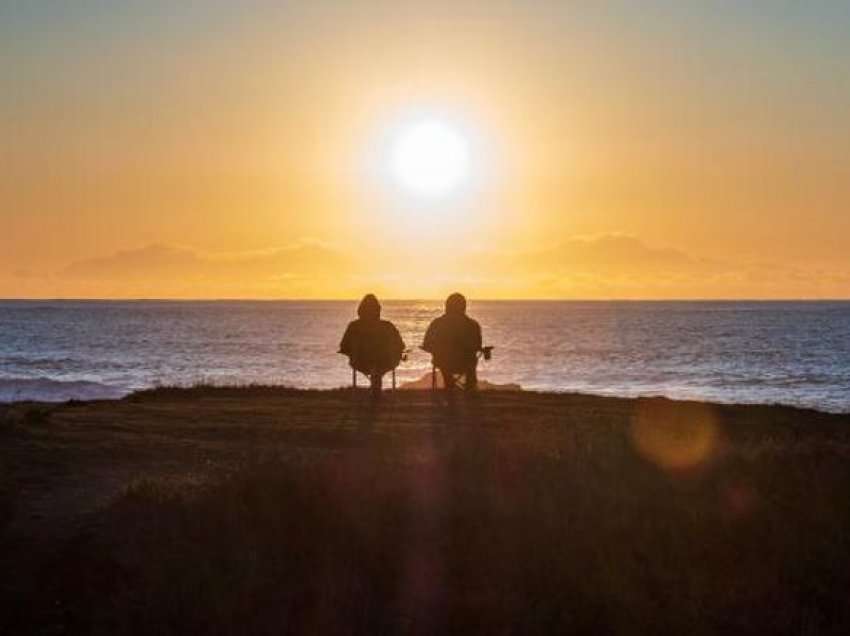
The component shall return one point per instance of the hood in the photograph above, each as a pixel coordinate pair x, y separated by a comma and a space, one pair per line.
369, 308
456, 305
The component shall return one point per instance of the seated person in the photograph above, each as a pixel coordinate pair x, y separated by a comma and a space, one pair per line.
454, 340
373, 346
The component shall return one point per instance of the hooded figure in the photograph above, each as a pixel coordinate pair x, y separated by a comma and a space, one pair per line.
373, 346
454, 340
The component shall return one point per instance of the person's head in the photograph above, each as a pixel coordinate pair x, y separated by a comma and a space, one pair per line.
456, 304
369, 308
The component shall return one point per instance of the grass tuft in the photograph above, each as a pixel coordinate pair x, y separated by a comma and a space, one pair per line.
476, 538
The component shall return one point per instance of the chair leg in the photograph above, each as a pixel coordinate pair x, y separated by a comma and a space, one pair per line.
393, 379
433, 378
354, 378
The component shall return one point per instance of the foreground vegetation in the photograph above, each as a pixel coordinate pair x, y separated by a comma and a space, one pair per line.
510, 514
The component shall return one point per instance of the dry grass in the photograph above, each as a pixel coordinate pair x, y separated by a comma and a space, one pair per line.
512, 514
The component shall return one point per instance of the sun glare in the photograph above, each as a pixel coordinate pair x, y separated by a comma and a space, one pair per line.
430, 158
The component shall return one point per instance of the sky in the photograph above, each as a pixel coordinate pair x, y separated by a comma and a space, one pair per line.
654, 149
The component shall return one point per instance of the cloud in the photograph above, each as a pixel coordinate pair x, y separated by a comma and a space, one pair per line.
623, 266
153, 261
603, 266
600, 262
25, 273
305, 269
611, 253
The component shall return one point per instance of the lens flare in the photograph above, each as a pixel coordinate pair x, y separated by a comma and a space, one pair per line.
674, 436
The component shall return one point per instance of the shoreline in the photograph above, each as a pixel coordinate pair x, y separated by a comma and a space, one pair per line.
203, 388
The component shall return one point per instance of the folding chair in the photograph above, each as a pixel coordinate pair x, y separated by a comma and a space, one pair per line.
354, 371
484, 353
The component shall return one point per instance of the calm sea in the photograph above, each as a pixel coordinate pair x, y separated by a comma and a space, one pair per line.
777, 352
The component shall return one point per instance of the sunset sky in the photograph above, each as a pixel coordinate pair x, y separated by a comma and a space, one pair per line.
655, 149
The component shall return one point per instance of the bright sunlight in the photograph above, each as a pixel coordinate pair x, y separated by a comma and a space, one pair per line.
430, 158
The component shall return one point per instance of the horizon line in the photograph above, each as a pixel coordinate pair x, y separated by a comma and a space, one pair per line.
428, 299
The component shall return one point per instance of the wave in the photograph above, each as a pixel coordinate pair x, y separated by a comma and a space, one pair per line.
46, 390
44, 362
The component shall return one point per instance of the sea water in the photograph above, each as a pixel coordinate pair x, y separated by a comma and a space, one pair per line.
794, 353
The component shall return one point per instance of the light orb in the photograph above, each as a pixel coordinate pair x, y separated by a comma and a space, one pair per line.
430, 158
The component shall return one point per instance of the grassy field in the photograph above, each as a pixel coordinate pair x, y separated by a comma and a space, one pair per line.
269, 511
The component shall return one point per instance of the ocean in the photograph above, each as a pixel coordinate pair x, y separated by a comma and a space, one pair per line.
795, 353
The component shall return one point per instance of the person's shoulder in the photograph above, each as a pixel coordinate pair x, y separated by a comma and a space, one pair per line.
387, 324
436, 321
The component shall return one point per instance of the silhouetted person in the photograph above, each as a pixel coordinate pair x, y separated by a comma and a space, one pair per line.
454, 340
373, 346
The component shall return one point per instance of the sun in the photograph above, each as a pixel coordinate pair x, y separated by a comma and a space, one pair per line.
430, 158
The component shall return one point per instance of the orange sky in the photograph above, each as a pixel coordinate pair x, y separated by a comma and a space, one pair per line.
666, 152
